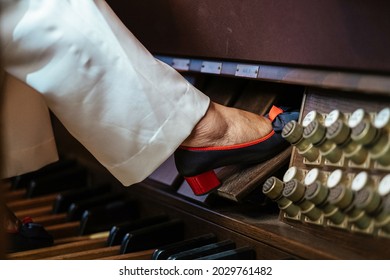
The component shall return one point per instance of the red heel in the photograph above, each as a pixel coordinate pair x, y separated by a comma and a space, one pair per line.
203, 183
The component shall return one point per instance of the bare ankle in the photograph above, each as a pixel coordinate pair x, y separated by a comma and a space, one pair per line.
209, 130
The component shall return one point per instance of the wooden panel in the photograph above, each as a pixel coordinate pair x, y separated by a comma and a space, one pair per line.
332, 33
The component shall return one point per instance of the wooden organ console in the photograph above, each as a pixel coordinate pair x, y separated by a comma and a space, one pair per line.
325, 197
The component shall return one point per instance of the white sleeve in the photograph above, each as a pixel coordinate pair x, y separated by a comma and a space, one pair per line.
27, 140
128, 109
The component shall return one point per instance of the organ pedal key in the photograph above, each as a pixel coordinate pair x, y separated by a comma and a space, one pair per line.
95, 222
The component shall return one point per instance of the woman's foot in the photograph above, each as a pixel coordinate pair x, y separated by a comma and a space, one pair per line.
227, 136
223, 126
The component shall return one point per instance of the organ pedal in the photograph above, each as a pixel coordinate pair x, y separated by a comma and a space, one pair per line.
93, 222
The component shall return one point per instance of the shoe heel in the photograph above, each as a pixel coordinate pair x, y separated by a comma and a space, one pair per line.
203, 183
